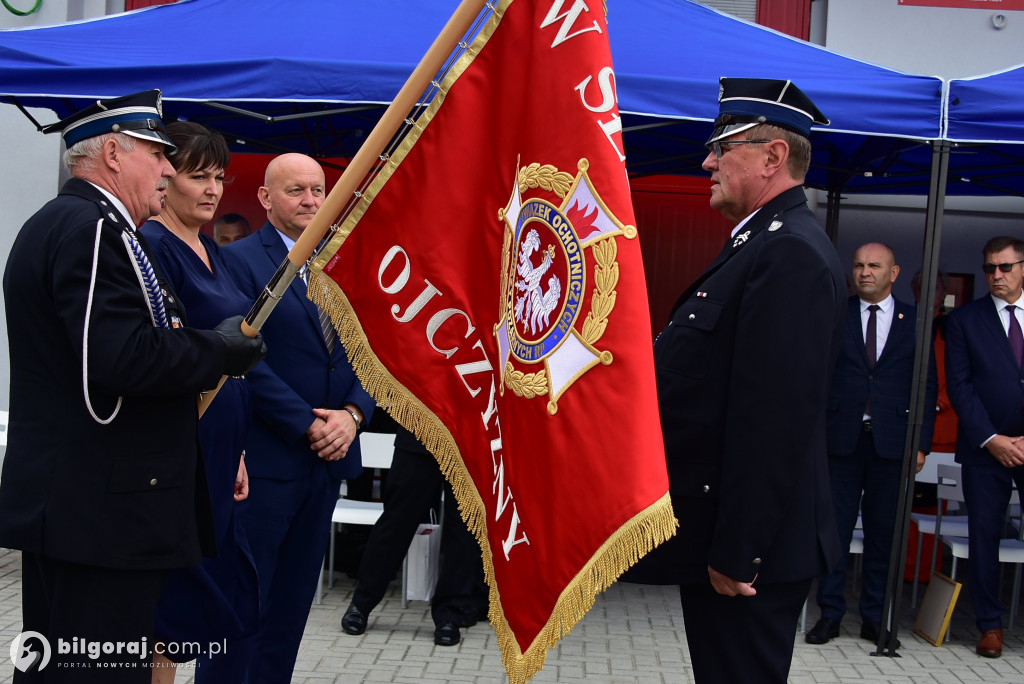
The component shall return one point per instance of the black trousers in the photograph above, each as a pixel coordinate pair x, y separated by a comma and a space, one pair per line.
84, 611
413, 487
742, 639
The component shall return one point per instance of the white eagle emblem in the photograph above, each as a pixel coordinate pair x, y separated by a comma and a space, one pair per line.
534, 306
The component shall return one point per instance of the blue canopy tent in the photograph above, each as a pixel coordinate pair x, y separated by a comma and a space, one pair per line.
315, 78
985, 120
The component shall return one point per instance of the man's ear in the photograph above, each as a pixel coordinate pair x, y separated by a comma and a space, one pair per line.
264, 196
111, 153
778, 154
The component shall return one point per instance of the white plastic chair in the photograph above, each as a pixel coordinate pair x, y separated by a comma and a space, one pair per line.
377, 450
928, 523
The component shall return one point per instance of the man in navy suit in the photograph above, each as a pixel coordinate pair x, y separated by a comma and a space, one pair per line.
743, 371
308, 407
984, 351
867, 430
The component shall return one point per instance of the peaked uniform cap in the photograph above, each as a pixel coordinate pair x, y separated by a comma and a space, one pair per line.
137, 115
747, 102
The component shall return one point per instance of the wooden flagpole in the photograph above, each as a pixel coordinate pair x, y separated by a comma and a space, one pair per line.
367, 155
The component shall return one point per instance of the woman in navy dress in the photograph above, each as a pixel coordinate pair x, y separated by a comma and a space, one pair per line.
217, 602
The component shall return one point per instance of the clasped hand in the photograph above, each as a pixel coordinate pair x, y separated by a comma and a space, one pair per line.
331, 433
1007, 450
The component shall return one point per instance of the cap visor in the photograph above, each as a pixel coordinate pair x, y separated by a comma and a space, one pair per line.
155, 136
723, 132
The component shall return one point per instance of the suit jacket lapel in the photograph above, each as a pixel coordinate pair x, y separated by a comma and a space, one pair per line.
993, 323
274, 247
897, 328
853, 320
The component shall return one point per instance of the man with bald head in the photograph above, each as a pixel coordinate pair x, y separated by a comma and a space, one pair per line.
308, 407
867, 427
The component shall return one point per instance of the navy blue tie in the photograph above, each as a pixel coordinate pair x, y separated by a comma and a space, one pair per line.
1015, 335
871, 347
871, 336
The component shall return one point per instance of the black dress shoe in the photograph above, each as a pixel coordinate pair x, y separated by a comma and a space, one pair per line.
870, 630
354, 620
447, 634
823, 631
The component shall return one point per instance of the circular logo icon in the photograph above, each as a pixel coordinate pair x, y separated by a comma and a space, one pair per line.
545, 290
25, 657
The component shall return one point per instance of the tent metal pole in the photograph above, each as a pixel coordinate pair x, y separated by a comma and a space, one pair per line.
832, 215
929, 270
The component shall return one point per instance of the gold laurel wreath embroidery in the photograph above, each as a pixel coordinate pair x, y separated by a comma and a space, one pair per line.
606, 277
546, 177
527, 385
506, 268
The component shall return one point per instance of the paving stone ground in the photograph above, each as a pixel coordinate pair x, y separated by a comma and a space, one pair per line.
633, 635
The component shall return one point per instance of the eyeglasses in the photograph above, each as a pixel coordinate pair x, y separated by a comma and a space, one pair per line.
1005, 267
989, 268
717, 146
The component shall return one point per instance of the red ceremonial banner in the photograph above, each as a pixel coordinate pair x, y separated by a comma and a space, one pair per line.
969, 4
489, 289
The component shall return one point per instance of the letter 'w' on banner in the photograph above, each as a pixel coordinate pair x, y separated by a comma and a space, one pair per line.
488, 286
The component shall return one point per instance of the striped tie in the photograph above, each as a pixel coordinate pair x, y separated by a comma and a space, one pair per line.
327, 330
156, 298
326, 327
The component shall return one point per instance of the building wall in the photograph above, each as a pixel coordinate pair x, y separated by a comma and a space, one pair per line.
30, 162
935, 41
744, 9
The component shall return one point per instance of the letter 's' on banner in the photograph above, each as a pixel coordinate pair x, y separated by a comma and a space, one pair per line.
489, 289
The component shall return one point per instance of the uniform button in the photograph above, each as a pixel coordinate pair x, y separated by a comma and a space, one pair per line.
707, 489
756, 561
152, 483
692, 316
332, 367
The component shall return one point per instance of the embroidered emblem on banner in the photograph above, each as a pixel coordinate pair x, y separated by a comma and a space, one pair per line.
559, 273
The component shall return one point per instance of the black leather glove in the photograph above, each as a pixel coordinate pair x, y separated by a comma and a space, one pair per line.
243, 352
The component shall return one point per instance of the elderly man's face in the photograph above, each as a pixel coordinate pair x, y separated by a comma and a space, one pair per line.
143, 176
293, 192
736, 184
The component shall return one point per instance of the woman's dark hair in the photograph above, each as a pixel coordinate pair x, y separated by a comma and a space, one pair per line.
198, 147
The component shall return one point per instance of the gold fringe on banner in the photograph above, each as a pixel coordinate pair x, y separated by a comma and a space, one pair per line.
641, 534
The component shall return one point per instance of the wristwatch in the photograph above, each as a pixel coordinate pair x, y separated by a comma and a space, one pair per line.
355, 417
